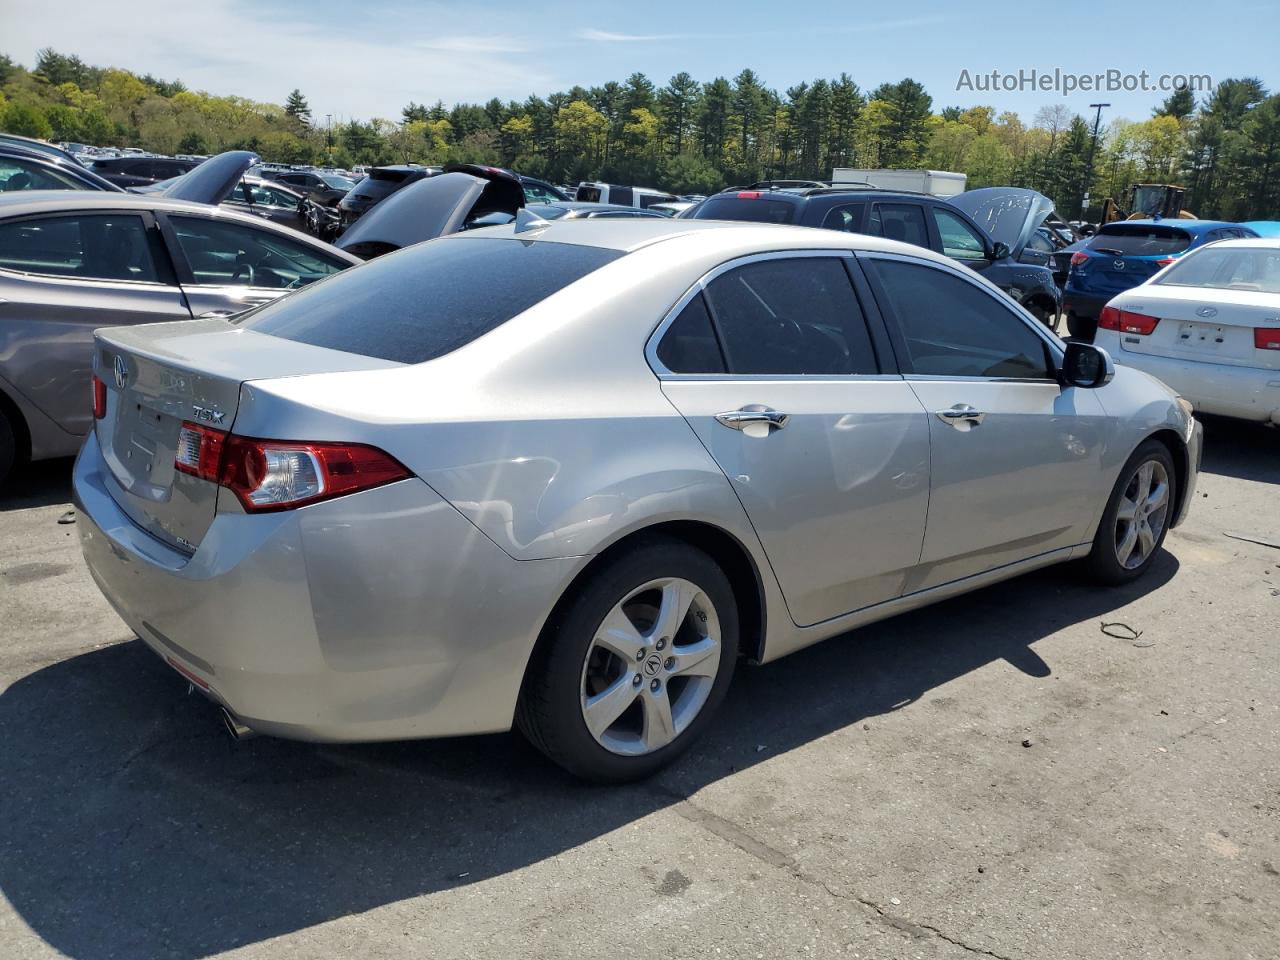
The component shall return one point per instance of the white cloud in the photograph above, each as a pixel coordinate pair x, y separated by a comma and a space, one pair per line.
604, 36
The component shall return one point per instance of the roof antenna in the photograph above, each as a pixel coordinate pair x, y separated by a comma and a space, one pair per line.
527, 220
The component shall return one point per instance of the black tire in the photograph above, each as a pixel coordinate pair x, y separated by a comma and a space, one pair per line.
1044, 314
550, 710
8, 446
1103, 563
1082, 328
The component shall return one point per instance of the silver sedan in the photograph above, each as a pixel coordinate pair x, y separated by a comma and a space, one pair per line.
565, 476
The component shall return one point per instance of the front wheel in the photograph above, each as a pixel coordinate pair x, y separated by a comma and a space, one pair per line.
1137, 517
634, 667
8, 446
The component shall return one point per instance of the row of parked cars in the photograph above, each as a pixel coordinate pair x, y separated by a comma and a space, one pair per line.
560, 472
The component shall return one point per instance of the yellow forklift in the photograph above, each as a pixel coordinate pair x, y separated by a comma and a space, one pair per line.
1148, 201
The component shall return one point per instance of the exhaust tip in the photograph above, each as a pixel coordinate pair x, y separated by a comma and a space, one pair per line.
234, 727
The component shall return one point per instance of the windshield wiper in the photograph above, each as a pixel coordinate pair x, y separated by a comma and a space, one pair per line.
1111, 250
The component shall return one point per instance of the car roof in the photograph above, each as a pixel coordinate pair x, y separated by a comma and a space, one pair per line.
1264, 243
1191, 226
628, 234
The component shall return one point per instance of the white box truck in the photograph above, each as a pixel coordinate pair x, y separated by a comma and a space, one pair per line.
940, 183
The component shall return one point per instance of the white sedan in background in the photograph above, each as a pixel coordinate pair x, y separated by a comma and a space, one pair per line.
1209, 326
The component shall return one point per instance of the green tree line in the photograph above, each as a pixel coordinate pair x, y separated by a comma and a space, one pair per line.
693, 136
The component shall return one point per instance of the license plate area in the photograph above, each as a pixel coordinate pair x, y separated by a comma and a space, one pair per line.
1201, 337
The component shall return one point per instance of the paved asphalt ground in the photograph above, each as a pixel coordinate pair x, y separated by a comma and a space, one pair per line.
871, 797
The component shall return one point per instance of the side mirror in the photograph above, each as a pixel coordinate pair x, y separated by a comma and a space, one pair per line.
999, 250
1085, 365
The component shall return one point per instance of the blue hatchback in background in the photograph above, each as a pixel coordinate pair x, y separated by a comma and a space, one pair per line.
1124, 254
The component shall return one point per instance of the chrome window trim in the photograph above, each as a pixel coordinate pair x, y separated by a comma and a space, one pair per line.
1058, 347
699, 286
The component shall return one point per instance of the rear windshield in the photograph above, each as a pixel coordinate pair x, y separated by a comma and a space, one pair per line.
393, 175
429, 299
1140, 240
1227, 268
746, 208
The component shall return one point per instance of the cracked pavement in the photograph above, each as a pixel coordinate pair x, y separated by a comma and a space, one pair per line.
870, 797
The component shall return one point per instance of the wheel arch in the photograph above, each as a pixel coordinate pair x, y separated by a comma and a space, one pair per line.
1181, 456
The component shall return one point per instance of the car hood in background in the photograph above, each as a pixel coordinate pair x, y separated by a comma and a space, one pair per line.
430, 208
1008, 214
212, 181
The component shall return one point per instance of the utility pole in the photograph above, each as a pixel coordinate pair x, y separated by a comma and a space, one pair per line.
1093, 146
328, 137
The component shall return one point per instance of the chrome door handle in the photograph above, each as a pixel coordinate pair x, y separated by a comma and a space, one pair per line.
753, 414
962, 416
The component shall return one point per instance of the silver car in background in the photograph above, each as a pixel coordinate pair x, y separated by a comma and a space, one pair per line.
565, 475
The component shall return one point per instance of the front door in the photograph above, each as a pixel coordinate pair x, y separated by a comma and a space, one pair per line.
1014, 456
61, 277
773, 367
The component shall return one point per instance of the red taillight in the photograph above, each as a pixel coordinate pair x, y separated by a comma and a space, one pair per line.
1126, 322
99, 399
1078, 258
1165, 262
1267, 338
280, 475
749, 194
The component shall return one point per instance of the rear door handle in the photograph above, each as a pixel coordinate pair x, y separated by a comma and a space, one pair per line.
962, 416
754, 414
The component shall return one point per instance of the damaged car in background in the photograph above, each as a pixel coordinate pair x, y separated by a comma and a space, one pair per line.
72, 261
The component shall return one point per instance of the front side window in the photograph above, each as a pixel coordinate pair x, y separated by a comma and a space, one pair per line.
899, 221
791, 315
16, 174
96, 247
428, 299
231, 253
959, 240
954, 329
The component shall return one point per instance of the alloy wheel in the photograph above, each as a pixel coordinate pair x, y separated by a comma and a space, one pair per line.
651, 666
1141, 515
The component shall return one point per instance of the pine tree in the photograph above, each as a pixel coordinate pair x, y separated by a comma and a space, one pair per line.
678, 104
297, 108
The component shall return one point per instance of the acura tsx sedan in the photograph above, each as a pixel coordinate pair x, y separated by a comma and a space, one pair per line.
565, 475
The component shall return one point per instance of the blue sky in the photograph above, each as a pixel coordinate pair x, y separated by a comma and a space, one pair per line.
369, 58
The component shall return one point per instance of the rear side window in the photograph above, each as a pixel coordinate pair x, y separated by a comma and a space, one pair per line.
589, 194
755, 209
1140, 240
98, 247
899, 221
791, 315
623, 196
220, 252
689, 345
846, 217
429, 299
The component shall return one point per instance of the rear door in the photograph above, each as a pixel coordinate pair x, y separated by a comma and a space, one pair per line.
771, 361
225, 266
1015, 458
60, 278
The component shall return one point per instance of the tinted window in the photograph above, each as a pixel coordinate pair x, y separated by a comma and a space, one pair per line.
689, 345
954, 329
621, 195
536, 193
376, 186
1139, 240
732, 207
847, 217
959, 240
1227, 268
589, 194
428, 299
230, 253
899, 221
1041, 241
791, 316
16, 174
105, 247
649, 199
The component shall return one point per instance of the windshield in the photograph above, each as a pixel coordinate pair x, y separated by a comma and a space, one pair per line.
1139, 240
758, 210
1227, 268
429, 299
338, 183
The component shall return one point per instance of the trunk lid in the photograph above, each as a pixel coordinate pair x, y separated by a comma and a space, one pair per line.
1218, 328
159, 376
212, 181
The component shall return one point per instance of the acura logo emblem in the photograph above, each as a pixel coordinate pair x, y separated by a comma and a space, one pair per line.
121, 371
1207, 312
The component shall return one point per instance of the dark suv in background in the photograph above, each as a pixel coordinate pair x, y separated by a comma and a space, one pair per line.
914, 218
141, 171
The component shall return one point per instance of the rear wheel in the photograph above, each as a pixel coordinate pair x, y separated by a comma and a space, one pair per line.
1137, 517
635, 666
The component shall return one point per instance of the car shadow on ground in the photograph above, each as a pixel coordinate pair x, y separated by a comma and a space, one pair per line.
131, 825
1237, 448
40, 484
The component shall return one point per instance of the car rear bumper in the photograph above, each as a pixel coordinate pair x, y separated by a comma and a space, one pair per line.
1246, 393
382, 615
